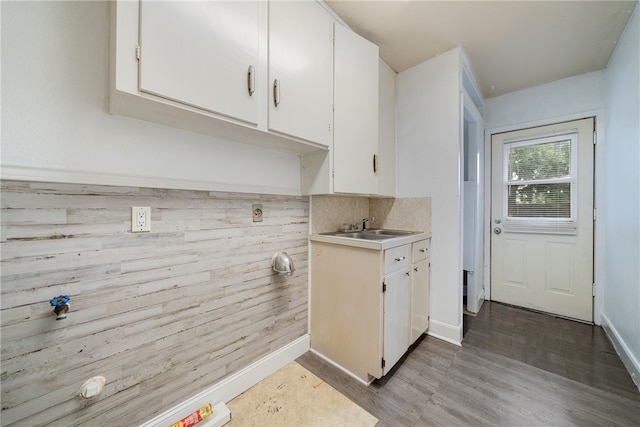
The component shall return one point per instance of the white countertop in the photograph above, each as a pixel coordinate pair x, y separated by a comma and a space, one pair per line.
370, 244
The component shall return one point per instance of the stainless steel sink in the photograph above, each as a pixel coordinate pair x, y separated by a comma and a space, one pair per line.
380, 234
360, 235
390, 232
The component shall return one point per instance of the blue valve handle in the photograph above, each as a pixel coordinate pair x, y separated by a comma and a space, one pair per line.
60, 301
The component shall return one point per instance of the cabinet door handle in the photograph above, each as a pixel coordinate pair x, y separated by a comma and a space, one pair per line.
375, 163
276, 92
415, 269
251, 80
423, 250
408, 273
400, 258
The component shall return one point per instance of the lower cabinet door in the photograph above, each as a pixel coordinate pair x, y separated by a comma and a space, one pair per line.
419, 299
397, 308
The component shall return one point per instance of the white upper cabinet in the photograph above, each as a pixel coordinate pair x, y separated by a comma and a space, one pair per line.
259, 72
301, 70
350, 166
387, 131
202, 53
355, 118
204, 66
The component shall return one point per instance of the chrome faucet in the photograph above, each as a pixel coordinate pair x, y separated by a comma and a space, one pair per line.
364, 222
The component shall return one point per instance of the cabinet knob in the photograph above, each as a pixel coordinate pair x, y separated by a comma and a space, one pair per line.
400, 258
276, 92
415, 269
408, 273
423, 250
375, 163
251, 80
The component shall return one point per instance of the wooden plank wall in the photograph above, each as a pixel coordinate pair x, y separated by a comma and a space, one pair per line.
162, 315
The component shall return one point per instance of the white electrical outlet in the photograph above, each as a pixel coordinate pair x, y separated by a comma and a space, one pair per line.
140, 219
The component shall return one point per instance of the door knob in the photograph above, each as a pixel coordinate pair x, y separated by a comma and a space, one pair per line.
497, 230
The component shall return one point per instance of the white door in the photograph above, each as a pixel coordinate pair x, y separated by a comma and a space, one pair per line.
542, 218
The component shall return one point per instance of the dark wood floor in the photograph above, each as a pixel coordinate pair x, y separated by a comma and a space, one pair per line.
515, 368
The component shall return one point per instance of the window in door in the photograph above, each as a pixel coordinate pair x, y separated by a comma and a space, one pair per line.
540, 182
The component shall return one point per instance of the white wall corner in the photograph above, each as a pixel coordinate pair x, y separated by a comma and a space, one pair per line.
445, 332
236, 384
628, 359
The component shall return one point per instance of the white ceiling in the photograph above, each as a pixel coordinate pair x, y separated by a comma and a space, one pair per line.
511, 45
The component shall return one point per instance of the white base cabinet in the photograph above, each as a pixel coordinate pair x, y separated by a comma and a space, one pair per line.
362, 305
346, 313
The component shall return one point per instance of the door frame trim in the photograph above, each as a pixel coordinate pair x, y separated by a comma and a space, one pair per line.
598, 235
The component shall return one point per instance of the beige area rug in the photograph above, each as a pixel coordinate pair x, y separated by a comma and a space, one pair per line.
294, 397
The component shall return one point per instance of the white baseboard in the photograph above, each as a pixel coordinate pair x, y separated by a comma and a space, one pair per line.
628, 358
481, 299
445, 332
236, 384
332, 363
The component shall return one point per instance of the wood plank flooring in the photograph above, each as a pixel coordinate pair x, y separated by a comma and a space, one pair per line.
515, 367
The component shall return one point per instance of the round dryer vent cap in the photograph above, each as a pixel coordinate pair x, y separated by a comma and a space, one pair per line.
92, 387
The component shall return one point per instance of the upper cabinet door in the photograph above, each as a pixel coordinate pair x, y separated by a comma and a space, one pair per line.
301, 70
202, 53
387, 131
355, 137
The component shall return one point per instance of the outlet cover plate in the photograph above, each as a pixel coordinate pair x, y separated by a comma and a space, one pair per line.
140, 219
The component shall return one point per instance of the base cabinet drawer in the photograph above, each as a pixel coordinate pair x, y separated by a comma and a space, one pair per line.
397, 258
420, 250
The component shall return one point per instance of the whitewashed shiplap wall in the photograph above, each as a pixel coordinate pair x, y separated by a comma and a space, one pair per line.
162, 315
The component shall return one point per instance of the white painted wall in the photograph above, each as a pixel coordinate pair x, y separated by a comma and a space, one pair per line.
428, 154
574, 95
621, 312
56, 125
